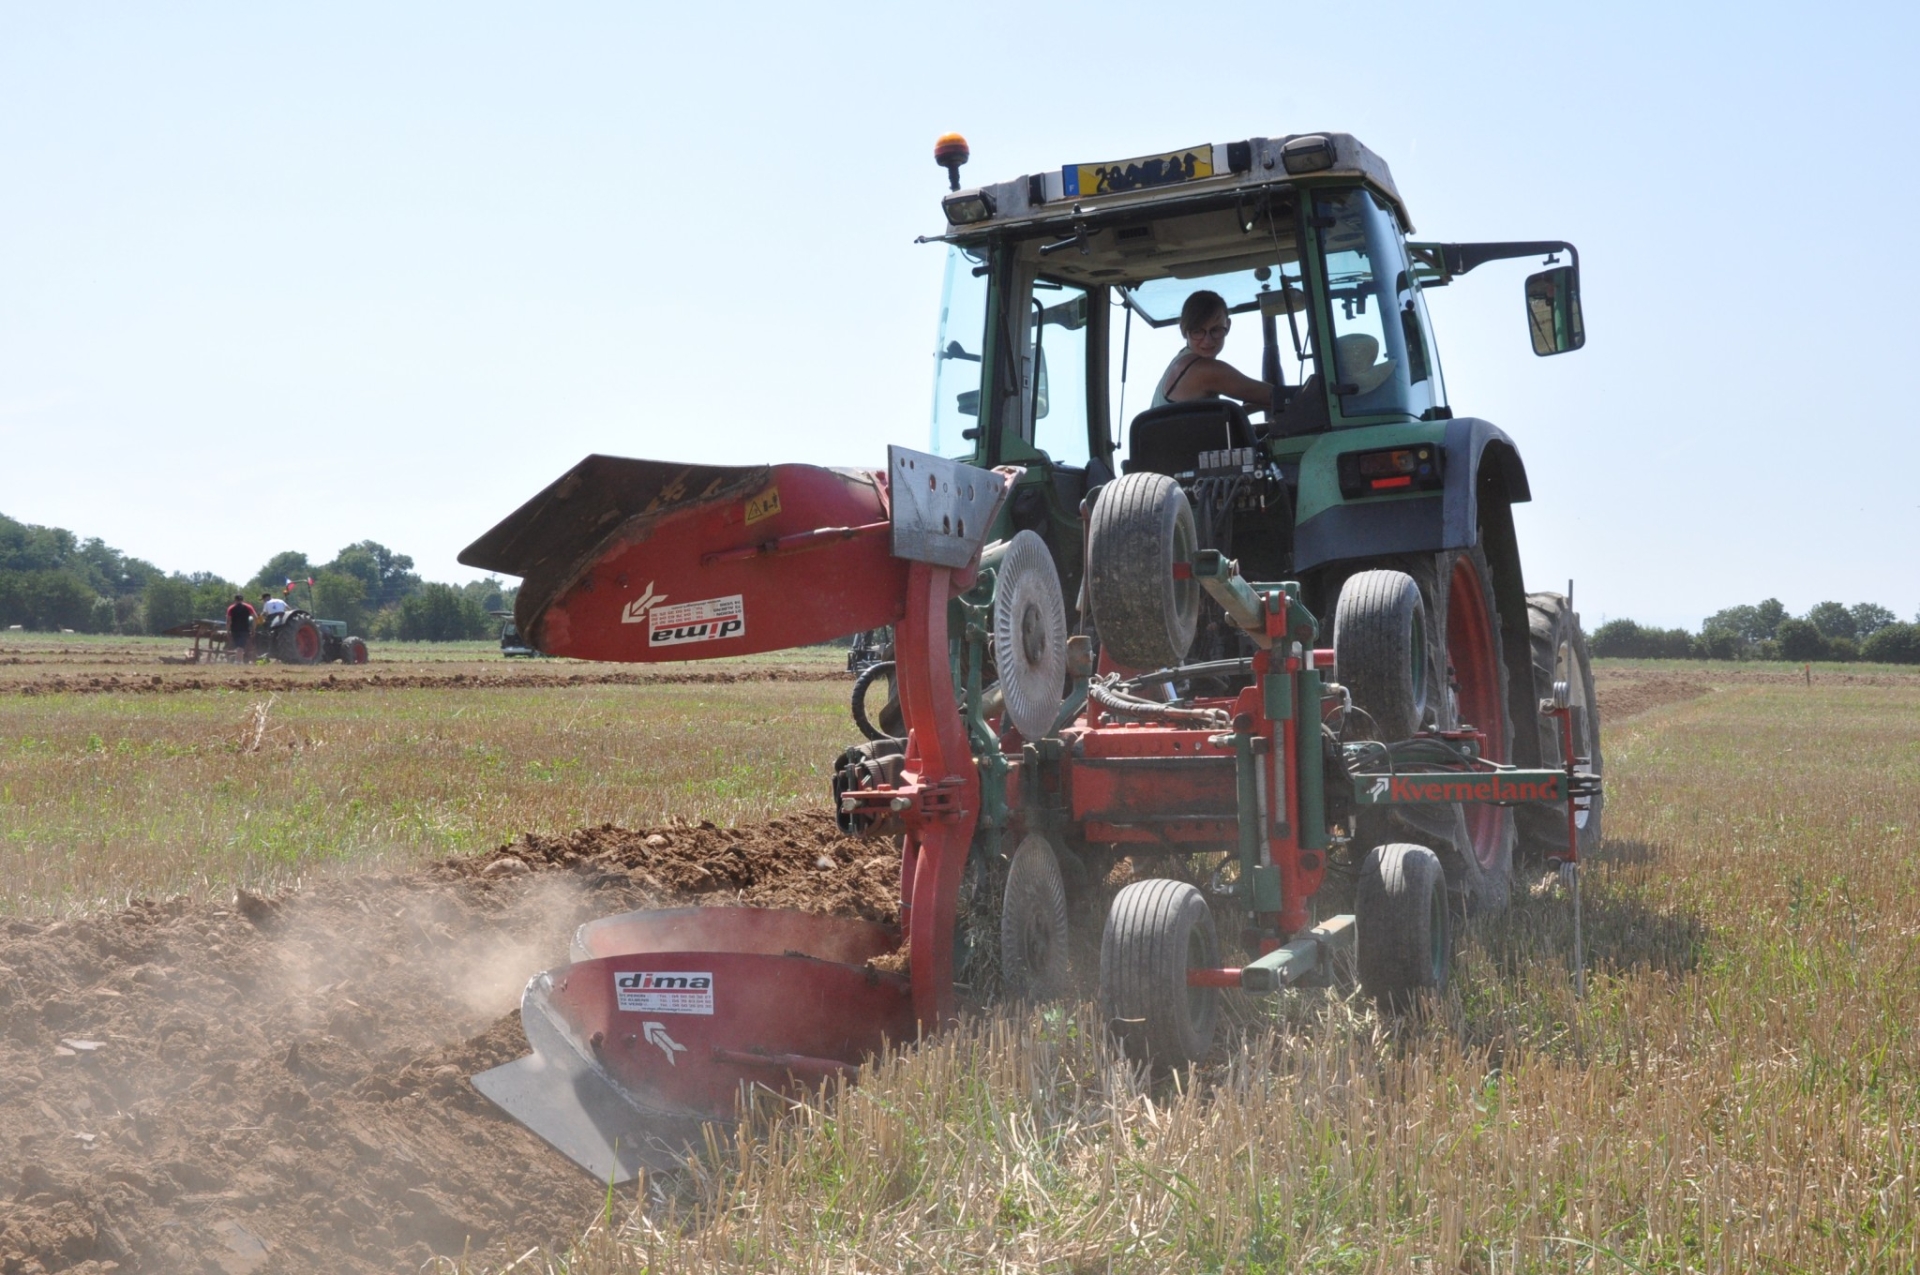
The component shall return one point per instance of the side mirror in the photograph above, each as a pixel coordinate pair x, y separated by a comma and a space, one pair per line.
1553, 311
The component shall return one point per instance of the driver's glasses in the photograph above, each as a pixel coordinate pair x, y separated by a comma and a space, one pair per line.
1218, 332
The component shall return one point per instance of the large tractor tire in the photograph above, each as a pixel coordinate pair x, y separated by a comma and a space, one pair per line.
1156, 931
1560, 655
1381, 652
1404, 928
1033, 924
1459, 589
1467, 686
1142, 526
298, 640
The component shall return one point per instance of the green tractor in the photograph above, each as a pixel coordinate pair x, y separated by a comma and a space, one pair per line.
1062, 300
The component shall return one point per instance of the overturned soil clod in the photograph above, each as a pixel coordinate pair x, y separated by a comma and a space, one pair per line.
802, 862
281, 1084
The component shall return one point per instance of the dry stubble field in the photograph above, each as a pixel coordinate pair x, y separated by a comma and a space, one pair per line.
1736, 1093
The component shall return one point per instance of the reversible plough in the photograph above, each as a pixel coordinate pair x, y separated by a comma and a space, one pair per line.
1027, 759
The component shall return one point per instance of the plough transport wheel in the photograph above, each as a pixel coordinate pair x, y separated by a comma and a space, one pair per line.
1157, 931
1405, 939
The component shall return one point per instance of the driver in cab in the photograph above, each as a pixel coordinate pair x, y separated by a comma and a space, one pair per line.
1198, 372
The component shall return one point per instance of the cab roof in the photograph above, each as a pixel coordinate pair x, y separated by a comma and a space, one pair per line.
1077, 193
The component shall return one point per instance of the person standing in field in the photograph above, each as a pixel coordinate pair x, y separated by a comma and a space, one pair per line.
240, 626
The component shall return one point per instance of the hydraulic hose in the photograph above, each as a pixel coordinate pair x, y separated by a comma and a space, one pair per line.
1105, 692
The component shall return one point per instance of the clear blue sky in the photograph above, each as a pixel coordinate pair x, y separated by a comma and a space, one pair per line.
279, 276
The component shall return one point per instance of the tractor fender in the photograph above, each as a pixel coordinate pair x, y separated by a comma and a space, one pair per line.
1484, 478
1479, 459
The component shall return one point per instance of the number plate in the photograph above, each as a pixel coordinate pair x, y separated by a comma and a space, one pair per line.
1123, 175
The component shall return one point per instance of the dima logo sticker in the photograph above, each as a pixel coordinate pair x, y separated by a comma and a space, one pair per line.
664, 991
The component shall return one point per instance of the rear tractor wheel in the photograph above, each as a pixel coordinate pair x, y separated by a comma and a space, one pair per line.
298, 641
1466, 646
1156, 931
1560, 655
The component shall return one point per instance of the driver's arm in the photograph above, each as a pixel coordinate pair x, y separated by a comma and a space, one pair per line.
1216, 377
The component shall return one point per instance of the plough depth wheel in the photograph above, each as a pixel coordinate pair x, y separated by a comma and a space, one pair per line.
1156, 932
1405, 939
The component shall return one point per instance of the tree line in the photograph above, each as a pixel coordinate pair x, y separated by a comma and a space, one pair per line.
1766, 631
51, 579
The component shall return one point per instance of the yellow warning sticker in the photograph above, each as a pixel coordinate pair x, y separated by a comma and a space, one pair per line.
765, 505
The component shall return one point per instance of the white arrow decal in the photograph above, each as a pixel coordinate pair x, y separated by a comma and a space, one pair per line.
636, 610
1379, 788
657, 1035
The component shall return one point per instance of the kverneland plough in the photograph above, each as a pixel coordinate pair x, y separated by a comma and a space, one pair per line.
1020, 755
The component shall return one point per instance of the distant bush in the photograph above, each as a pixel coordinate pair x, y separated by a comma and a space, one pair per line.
1800, 640
1624, 639
213, 594
437, 613
339, 596
1893, 644
51, 600
1718, 644
1843, 649
169, 602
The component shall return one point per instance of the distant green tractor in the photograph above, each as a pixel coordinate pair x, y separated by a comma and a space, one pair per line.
296, 637
512, 645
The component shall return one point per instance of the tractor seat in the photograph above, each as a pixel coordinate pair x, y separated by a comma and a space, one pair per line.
1353, 357
1169, 439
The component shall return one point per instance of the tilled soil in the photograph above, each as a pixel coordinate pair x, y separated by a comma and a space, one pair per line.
256, 678
1624, 693
281, 1085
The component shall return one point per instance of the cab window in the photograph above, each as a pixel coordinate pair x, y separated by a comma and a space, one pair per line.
1383, 361
1055, 374
957, 353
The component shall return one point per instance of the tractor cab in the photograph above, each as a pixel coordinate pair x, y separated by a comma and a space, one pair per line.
1061, 306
